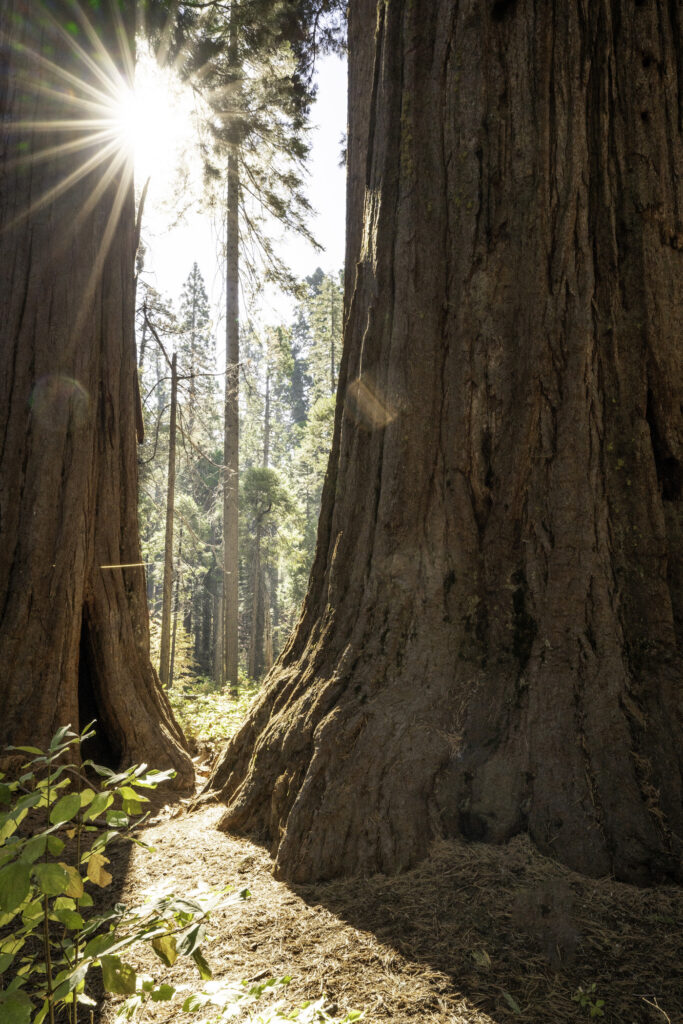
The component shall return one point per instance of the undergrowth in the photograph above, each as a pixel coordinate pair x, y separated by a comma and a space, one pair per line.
209, 715
59, 815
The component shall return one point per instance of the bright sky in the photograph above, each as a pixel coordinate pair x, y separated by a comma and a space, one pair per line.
173, 247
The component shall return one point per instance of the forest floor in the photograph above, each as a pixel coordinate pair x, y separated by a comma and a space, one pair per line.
475, 934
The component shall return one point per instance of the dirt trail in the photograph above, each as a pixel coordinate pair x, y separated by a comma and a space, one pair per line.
474, 935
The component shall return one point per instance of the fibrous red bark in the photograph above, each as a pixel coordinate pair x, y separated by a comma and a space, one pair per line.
491, 642
74, 637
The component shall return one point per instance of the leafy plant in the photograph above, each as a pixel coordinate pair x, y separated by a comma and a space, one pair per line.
585, 997
54, 833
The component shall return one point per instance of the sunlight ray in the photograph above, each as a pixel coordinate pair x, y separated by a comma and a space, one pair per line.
63, 126
78, 102
114, 77
61, 73
60, 149
101, 187
105, 245
66, 183
127, 55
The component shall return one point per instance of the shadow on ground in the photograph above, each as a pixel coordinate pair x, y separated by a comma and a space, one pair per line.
521, 937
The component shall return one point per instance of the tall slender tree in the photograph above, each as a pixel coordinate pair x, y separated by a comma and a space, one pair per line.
255, 148
491, 640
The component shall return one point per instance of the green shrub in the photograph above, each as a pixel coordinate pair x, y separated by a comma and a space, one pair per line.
55, 826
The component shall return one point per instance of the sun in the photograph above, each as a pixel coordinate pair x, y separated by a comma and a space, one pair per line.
111, 131
154, 120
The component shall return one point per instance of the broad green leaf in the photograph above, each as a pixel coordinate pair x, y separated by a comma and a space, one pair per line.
8, 950
188, 906
101, 843
118, 978
52, 879
162, 994
68, 980
5, 793
28, 750
42, 1013
15, 882
11, 945
98, 806
55, 845
66, 808
24, 803
165, 948
9, 825
153, 778
100, 944
15, 1007
5, 960
105, 773
85, 900
32, 912
33, 849
117, 819
191, 940
64, 903
70, 919
194, 1002
132, 807
59, 737
205, 971
127, 793
96, 872
512, 1002
86, 797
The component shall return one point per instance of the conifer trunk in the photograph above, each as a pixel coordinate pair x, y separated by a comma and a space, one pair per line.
491, 640
231, 437
165, 656
255, 669
74, 635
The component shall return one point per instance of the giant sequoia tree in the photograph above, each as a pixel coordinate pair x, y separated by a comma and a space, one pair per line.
73, 631
490, 643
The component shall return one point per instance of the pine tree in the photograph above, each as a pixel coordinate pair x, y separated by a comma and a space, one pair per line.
255, 148
197, 351
200, 438
325, 313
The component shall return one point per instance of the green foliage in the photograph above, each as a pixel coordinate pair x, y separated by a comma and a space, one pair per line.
197, 508
206, 714
55, 827
287, 409
585, 997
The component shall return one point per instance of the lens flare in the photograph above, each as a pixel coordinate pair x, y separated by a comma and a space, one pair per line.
57, 397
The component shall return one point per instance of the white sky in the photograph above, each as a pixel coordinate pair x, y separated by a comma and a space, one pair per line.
171, 250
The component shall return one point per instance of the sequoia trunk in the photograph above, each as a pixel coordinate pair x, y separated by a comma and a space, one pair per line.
73, 616
491, 639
